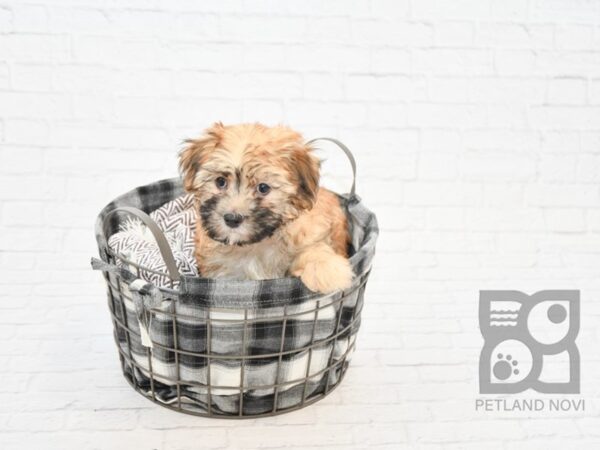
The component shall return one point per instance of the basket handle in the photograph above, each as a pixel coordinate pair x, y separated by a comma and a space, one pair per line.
348, 153
161, 240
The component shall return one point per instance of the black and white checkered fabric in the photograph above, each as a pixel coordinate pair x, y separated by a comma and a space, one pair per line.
231, 347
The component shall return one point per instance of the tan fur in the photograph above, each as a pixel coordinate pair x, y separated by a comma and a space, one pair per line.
312, 236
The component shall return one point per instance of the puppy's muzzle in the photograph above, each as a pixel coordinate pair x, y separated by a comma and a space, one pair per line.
233, 220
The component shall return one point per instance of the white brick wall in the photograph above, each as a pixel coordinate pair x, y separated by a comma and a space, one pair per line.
476, 126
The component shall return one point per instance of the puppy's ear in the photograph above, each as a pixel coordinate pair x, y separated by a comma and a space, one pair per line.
196, 151
305, 169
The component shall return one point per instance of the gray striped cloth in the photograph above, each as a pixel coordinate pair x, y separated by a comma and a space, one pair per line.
224, 344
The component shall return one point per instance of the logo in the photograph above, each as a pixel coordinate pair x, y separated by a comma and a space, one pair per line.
529, 342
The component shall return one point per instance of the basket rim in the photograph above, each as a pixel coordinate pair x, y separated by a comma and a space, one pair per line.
173, 188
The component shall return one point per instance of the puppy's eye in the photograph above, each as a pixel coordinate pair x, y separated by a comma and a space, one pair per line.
221, 182
263, 188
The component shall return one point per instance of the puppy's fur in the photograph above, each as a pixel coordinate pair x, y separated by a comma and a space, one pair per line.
265, 182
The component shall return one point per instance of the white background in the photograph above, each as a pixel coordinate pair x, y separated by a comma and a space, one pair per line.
476, 126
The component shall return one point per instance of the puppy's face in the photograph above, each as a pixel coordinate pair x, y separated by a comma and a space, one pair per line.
249, 180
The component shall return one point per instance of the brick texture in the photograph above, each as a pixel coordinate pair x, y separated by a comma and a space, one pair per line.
476, 126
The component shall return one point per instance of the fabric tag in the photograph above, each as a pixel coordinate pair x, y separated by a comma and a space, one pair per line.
146, 341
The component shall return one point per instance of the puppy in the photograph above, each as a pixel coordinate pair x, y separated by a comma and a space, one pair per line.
261, 212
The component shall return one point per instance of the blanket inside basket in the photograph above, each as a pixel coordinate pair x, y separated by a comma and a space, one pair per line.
135, 242
316, 338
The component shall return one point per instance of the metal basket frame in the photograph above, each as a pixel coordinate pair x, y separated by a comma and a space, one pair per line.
118, 301
133, 371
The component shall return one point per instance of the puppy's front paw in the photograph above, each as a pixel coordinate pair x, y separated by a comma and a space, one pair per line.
326, 275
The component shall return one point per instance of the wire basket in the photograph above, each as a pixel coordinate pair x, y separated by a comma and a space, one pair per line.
225, 348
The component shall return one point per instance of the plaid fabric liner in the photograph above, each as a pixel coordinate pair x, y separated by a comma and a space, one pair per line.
227, 347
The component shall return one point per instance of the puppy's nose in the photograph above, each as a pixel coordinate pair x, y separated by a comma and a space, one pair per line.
233, 220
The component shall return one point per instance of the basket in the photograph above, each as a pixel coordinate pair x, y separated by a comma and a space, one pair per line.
226, 348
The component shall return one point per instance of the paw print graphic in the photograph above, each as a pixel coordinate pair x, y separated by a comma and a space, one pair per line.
505, 367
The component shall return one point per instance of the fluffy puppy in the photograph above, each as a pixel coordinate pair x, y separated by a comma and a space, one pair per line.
261, 212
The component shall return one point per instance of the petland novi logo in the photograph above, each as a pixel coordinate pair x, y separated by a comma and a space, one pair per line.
529, 343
